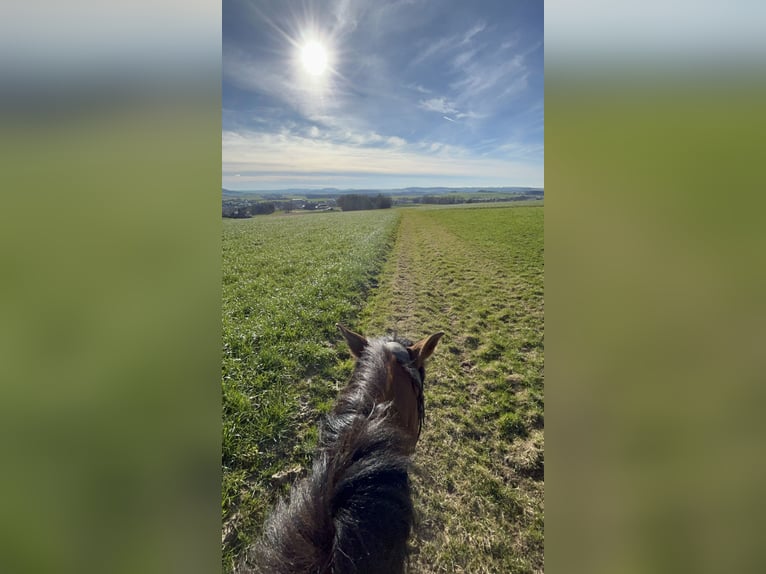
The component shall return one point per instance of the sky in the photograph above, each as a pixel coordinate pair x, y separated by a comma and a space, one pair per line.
406, 93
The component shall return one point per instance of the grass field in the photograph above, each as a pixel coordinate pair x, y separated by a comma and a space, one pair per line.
474, 273
287, 280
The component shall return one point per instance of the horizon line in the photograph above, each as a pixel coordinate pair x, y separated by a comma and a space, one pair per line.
383, 188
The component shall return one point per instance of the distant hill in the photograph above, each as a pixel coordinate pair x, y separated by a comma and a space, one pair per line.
335, 192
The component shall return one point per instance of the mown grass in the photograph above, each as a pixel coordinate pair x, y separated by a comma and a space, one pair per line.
476, 274
286, 282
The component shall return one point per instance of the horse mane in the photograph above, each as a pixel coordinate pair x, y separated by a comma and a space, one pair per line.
354, 512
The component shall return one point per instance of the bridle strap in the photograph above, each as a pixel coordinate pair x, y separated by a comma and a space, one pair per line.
404, 360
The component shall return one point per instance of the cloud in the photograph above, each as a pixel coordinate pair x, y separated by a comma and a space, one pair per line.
516, 86
259, 158
347, 15
441, 105
483, 68
418, 88
472, 32
432, 49
462, 58
364, 139
444, 106
481, 76
448, 43
282, 82
331, 133
470, 115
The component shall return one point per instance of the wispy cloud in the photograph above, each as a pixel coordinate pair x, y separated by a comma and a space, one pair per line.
276, 80
432, 49
483, 70
479, 77
418, 88
415, 90
333, 134
259, 158
472, 32
462, 58
441, 105
470, 115
448, 43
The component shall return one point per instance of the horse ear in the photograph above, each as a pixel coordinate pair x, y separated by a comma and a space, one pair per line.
425, 348
356, 342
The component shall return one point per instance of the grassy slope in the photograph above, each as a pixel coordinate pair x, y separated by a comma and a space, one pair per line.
476, 274
287, 281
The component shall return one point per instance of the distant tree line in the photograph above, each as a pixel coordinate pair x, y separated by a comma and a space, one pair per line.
454, 199
441, 199
356, 202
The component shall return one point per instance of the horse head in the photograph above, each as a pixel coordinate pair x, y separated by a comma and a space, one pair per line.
398, 373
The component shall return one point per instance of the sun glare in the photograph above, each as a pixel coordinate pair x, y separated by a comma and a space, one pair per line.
314, 58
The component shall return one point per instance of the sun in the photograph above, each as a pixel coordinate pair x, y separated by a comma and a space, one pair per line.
314, 58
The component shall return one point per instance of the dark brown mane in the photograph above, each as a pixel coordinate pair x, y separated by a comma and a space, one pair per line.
354, 512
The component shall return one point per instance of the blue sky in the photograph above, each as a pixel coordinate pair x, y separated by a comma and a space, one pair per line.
414, 93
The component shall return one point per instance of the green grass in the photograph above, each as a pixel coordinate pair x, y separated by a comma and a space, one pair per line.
477, 275
474, 273
286, 282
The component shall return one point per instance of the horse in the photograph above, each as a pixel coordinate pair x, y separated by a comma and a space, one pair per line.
354, 512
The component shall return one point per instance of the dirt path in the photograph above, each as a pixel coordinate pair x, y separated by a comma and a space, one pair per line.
479, 487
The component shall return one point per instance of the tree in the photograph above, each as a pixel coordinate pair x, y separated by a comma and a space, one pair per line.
356, 202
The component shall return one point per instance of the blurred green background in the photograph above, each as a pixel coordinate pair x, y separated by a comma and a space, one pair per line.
656, 327
655, 282
110, 291
110, 287
110, 341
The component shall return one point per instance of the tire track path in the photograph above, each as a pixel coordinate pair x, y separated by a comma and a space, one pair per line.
479, 487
